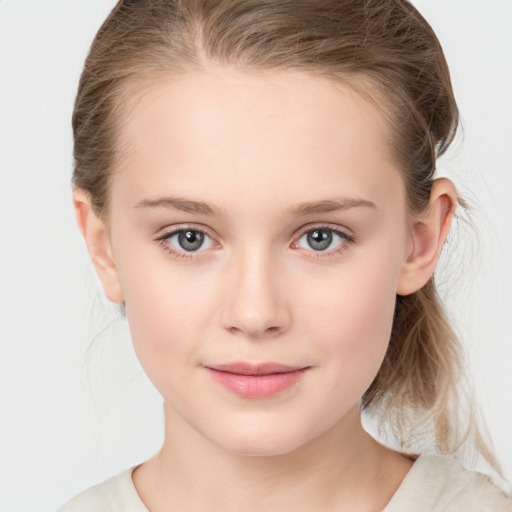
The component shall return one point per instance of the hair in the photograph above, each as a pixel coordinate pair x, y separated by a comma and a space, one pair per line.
382, 48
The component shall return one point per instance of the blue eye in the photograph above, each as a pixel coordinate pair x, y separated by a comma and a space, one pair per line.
322, 239
189, 240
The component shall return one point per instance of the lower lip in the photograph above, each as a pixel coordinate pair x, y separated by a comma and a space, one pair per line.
257, 386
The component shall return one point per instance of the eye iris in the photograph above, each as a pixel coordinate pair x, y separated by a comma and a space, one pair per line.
319, 239
190, 240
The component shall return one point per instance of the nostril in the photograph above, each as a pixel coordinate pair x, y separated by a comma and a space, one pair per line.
269, 332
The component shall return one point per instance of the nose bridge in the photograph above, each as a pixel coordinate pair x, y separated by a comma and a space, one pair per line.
255, 304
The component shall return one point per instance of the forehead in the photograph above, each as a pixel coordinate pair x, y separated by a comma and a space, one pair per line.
205, 130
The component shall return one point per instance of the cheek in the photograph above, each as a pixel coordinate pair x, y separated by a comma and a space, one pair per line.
354, 319
165, 313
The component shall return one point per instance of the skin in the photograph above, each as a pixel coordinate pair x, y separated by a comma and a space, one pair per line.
254, 146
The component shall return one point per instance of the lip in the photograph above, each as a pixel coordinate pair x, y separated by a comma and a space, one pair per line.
262, 380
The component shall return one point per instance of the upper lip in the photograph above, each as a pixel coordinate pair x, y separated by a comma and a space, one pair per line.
242, 368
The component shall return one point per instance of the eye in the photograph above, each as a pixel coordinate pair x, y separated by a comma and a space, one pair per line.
187, 240
323, 239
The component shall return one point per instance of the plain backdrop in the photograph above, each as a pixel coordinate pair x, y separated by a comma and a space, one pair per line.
75, 407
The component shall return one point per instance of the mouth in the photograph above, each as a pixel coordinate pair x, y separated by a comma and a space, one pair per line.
256, 381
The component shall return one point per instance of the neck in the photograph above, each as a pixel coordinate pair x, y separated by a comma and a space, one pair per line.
341, 470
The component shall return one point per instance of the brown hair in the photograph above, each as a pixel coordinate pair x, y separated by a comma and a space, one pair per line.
385, 43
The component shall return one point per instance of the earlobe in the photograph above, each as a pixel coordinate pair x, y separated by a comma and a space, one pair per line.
428, 233
97, 240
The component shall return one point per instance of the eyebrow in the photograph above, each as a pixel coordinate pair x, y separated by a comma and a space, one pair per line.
329, 205
176, 203
300, 209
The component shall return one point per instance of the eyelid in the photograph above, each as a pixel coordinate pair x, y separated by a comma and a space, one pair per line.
345, 232
172, 230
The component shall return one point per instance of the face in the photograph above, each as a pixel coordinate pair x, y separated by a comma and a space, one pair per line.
258, 229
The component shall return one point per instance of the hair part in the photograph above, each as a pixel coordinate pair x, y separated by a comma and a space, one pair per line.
385, 43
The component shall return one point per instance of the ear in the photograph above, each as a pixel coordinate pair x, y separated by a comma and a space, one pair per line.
428, 233
97, 240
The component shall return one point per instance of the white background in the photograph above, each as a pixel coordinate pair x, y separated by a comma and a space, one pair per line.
74, 406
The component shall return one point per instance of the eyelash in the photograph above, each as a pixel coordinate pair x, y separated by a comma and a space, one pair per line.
180, 255
347, 239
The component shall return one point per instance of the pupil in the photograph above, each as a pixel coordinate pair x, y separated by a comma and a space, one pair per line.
319, 239
191, 240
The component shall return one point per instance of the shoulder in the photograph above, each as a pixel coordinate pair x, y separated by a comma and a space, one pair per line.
438, 483
114, 495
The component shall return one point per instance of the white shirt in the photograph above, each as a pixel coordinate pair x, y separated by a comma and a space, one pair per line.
434, 484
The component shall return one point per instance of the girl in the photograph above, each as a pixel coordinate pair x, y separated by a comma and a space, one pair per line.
255, 185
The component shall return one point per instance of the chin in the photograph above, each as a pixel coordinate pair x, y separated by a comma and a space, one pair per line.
261, 437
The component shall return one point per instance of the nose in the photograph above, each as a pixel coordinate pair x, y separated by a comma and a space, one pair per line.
256, 302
